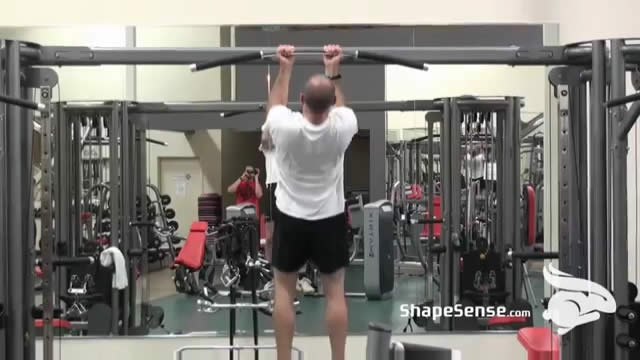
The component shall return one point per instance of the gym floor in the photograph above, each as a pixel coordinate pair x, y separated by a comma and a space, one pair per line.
182, 315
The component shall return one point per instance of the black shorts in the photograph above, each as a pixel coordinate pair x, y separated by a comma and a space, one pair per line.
323, 242
271, 209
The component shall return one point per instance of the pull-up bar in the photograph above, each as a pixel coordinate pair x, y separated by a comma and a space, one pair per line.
355, 54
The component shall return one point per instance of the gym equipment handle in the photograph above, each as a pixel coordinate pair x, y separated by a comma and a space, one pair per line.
534, 255
430, 221
73, 261
136, 252
232, 60
623, 100
386, 59
627, 341
22, 103
142, 224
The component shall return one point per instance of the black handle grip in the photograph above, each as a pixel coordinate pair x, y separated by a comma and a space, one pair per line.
136, 252
142, 224
430, 221
73, 261
231, 60
391, 60
535, 255
22, 103
438, 249
623, 100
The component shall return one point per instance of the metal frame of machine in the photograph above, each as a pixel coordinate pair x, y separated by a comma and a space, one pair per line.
588, 60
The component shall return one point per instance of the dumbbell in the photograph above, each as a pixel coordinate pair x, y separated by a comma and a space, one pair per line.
165, 199
170, 213
174, 225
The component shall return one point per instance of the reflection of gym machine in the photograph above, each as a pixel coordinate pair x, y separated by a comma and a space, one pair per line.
238, 236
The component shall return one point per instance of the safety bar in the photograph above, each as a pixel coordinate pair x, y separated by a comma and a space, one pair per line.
532, 255
178, 353
142, 224
136, 252
357, 54
623, 100
22, 103
73, 261
207, 303
429, 221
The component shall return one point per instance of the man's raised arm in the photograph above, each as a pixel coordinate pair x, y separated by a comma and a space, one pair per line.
279, 94
332, 59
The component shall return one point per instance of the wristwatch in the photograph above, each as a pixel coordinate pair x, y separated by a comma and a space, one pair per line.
333, 77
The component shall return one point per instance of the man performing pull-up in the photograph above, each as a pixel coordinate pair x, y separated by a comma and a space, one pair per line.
310, 225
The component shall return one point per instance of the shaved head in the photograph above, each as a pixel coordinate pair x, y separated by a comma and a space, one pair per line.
319, 94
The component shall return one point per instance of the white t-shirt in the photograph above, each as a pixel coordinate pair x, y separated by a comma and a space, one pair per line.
309, 161
269, 161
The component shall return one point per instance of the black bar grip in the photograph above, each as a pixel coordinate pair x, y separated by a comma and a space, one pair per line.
392, 60
534, 255
231, 60
236, 113
136, 252
22, 103
438, 249
627, 342
623, 100
73, 261
142, 224
154, 141
430, 221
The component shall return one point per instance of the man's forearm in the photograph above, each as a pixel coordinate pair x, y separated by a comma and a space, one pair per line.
339, 94
279, 94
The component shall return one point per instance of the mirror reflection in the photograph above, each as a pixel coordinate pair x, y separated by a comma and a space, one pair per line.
436, 202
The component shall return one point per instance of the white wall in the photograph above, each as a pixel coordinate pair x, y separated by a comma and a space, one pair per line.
167, 12
495, 347
80, 83
177, 84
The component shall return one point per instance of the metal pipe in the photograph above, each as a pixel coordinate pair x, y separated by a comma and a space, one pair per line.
512, 55
28, 244
619, 189
16, 202
598, 203
446, 272
621, 99
22, 103
629, 119
114, 182
4, 270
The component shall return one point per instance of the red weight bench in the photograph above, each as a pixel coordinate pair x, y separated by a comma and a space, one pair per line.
57, 324
191, 255
540, 343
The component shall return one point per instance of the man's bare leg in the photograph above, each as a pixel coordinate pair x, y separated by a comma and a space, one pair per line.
284, 313
336, 312
268, 246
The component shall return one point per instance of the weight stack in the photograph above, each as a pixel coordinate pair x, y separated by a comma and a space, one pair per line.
210, 208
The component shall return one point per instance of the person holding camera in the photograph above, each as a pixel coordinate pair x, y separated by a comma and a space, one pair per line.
247, 187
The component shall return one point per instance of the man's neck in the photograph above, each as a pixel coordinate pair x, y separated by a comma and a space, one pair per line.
315, 119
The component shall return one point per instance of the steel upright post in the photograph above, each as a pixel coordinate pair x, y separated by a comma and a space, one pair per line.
597, 190
17, 160
446, 291
125, 190
114, 203
620, 246
4, 270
